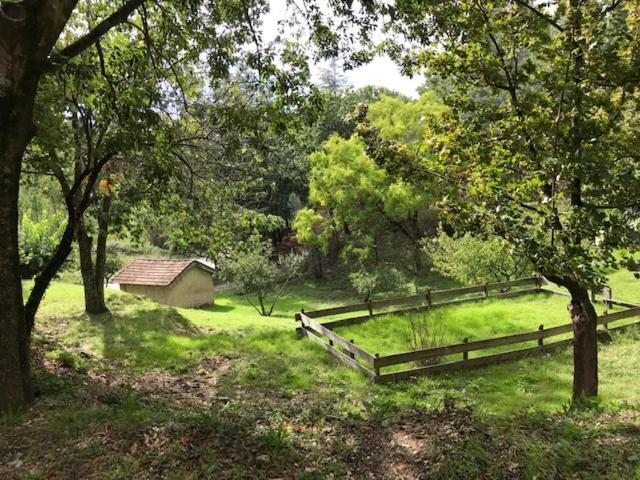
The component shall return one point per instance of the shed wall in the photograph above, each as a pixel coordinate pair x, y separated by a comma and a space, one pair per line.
193, 288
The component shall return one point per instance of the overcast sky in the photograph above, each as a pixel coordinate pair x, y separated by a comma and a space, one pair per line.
380, 72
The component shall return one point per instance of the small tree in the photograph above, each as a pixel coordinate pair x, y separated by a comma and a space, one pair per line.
366, 282
259, 276
422, 331
474, 260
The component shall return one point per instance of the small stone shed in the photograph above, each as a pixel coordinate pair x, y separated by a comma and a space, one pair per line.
180, 283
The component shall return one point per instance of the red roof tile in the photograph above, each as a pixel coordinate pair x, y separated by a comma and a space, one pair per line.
143, 271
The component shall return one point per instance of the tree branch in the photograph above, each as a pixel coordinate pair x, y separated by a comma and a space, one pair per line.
538, 13
44, 278
118, 17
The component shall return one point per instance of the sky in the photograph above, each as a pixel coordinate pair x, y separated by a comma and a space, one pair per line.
382, 71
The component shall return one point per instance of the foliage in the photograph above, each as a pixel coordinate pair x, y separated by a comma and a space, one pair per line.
354, 199
335, 116
257, 275
405, 121
537, 137
474, 261
245, 158
538, 142
368, 282
113, 264
38, 238
40, 227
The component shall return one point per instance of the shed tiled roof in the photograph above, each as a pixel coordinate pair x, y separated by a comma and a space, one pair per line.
143, 271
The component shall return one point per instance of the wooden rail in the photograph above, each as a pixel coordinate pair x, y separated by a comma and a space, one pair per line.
309, 324
354, 356
427, 298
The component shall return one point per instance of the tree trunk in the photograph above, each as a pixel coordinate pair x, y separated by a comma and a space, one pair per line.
28, 32
17, 95
415, 241
417, 257
316, 260
15, 377
93, 296
101, 244
585, 344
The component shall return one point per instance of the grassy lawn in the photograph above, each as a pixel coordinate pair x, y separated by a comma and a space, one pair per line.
150, 388
140, 335
475, 321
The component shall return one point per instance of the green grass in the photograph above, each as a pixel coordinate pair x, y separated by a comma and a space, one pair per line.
475, 321
272, 359
284, 395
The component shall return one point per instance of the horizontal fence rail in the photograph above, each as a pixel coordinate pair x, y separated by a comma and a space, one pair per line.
348, 353
428, 297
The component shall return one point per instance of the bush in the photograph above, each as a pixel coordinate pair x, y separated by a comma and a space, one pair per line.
258, 275
113, 263
423, 331
367, 282
38, 240
474, 261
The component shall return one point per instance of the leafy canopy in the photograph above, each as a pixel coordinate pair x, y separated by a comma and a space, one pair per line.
538, 140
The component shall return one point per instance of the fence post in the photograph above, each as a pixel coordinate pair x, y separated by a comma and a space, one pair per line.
351, 354
538, 283
486, 290
298, 318
370, 308
608, 294
375, 367
429, 304
465, 355
541, 340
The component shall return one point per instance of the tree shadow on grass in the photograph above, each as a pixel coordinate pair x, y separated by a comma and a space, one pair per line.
215, 308
144, 336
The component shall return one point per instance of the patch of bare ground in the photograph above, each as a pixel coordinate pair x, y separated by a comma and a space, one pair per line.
411, 447
194, 388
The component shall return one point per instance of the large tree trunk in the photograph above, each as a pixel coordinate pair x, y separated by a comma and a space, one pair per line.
585, 344
93, 293
28, 32
15, 378
17, 95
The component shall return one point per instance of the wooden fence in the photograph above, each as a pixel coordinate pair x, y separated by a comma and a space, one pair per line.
371, 364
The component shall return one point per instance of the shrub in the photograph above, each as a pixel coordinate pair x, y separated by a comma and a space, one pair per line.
38, 240
423, 331
262, 277
473, 260
367, 282
113, 263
